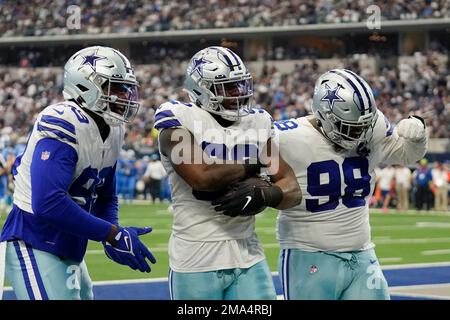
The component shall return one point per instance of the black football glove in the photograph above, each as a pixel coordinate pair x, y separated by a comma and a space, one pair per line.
248, 199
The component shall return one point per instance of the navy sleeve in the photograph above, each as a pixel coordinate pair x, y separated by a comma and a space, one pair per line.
165, 117
52, 169
106, 207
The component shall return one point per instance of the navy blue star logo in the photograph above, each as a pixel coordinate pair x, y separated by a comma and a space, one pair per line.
198, 65
91, 60
332, 95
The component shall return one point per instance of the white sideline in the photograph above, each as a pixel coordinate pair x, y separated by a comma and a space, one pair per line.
390, 267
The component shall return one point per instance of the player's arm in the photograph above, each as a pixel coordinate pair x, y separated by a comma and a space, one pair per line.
107, 206
188, 160
247, 198
51, 177
407, 144
284, 178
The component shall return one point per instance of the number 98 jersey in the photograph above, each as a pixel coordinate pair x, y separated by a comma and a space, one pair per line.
336, 186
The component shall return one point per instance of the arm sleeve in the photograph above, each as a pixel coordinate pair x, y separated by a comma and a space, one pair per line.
174, 114
397, 150
106, 207
52, 169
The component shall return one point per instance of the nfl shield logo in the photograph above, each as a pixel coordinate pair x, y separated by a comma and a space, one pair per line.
45, 155
313, 269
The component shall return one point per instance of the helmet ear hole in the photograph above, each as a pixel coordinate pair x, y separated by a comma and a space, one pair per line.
82, 88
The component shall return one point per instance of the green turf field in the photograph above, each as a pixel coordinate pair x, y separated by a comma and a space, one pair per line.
400, 239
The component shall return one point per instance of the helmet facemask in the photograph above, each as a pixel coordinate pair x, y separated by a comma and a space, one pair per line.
348, 134
231, 98
118, 102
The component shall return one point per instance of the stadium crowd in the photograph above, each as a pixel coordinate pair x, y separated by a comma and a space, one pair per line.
48, 17
420, 85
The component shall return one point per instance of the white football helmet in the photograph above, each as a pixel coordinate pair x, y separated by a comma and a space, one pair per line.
102, 80
344, 104
218, 81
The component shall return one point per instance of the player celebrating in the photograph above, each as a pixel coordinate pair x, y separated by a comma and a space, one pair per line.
65, 182
206, 145
326, 251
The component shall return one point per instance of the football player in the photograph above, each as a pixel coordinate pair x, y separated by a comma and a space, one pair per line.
206, 145
65, 183
327, 252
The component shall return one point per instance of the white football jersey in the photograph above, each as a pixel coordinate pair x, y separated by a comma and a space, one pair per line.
334, 213
196, 220
68, 123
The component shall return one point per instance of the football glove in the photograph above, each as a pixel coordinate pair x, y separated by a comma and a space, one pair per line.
248, 198
127, 248
412, 129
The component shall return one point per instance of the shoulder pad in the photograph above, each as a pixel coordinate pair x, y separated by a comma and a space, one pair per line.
172, 114
61, 121
286, 125
383, 128
262, 117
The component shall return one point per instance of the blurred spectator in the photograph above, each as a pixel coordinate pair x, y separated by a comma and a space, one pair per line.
385, 182
402, 186
440, 186
154, 176
47, 17
423, 180
7, 159
421, 86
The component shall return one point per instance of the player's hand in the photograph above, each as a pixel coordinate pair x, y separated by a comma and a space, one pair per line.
126, 248
243, 200
412, 129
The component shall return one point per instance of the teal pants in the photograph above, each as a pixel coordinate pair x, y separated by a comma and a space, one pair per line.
39, 275
254, 283
331, 275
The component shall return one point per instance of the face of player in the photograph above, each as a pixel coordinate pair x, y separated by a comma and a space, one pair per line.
125, 94
236, 94
353, 132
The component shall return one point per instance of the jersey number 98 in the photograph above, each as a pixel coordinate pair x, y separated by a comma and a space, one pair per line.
356, 180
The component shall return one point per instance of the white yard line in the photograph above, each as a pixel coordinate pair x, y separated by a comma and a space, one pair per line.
435, 252
399, 266
381, 238
419, 296
410, 212
398, 227
433, 225
413, 240
391, 259
387, 240
441, 291
416, 265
